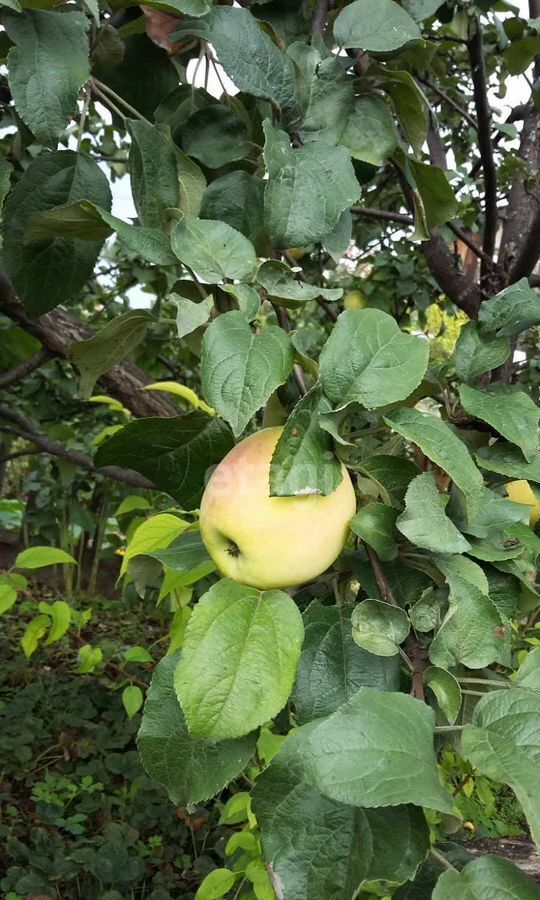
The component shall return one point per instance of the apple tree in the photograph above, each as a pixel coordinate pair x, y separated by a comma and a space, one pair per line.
336, 229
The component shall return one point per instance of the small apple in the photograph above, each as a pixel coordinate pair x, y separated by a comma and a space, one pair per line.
297, 253
355, 300
522, 492
270, 542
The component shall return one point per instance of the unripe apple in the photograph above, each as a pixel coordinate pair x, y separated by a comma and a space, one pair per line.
354, 300
270, 542
521, 492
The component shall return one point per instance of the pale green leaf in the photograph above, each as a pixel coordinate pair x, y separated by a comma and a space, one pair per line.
192, 184
213, 249
440, 444
131, 503
368, 359
379, 627
370, 133
438, 199
446, 689
155, 533
132, 699
216, 884
473, 631
509, 410
455, 568
137, 655
506, 460
240, 369
487, 878
377, 25
514, 309
303, 461
33, 633
47, 68
8, 596
191, 315
247, 299
38, 557
476, 353
337, 241
280, 283
60, 614
239, 659
424, 521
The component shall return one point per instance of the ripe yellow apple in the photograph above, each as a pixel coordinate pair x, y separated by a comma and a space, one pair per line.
355, 300
521, 492
270, 542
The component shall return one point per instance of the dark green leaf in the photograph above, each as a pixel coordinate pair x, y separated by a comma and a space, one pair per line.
237, 199
375, 25
303, 461
213, 249
154, 175
509, 410
477, 353
375, 524
47, 272
240, 369
280, 282
47, 68
485, 878
425, 522
379, 627
472, 632
187, 555
145, 76
175, 453
368, 359
189, 770
515, 309
215, 136
410, 104
392, 476
446, 689
326, 94
332, 667
506, 460
438, 199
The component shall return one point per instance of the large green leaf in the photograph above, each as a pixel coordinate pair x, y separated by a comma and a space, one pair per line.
379, 627
192, 185
370, 133
440, 444
47, 272
325, 94
213, 249
509, 410
247, 53
189, 770
476, 353
96, 355
239, 659
503, 742
515, 309
375, 524
47, 68
191, 315
216, 136
280, 282
38, 557
410, 103
375, 750
391, 475
368, 359
332, 667
506, 460
154, 174
240, 369
375, 25
175, 453
438, 201
307, 189
424, 521
144, 77
473, 631
237, 199
487, 878
303, 461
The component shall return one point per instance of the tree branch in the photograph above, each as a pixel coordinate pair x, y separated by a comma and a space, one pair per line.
27, 430
449, 100
529, 253
320, 16
483, 114
23, 369
382, 215
457, 286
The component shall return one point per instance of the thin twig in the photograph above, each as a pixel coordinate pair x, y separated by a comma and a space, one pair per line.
298, 375
463, 236
442, 860
107, 101
84, 113
382, 215
449, 100
119, 99
23, 369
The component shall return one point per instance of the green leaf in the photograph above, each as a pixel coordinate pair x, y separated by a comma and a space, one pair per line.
494, 548
332, 667
506, 460
477, 353
96, 355
186, 554
236, 809
174, 453
473, 631
503, 742
484, 879
154, 175
438, 199
376, 25
131, 503
424, 521
239, 659
213, 249
192, 184
379, 627
89, 659
47, 68
47, 272
280, 282
357, 755
426, 613
307, 189
215, 885
442, 446
154, 533
409, 102
303, 461
8, 596
325, 94
391, 475
33, 633
400, 838
240, 369
368, 359
191, 771
190, 7
457, 568
496, 512
446, 689
132, 700
515, 309
509, 410
247, 53
337, 241
375, 524
370, 133
216, 136
191, 315
528, 674
247, 299
421, 9
237, 199
38, 557
5, 179
144, 77
137, 655
60, 614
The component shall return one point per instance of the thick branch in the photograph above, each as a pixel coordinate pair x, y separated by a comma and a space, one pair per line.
483, 114
57, 330
529, 253
24, 368
27, 430
457, 286
320, 15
